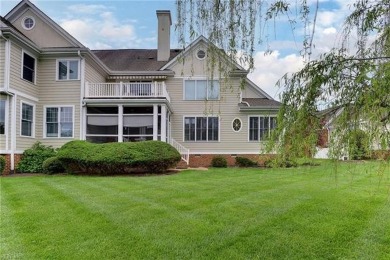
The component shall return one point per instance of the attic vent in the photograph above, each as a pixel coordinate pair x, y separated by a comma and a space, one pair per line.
201, 54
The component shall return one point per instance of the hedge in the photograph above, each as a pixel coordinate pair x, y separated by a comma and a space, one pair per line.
114, 158
33, 158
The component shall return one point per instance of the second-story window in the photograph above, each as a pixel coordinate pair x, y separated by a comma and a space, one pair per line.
67, 69
28, 72
201, 90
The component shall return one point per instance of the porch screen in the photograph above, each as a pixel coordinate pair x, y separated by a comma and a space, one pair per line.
137, 121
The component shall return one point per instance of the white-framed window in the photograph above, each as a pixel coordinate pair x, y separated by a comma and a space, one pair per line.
2, 116
68, 69
59, 121
201, 89
201, 128
260, 127
27, 119
236, 124
29, 64
28, 23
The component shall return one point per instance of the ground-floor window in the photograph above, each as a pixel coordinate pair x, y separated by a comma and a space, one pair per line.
59, 121
27, 120
2, 116
260, 127
102, 124
201, 129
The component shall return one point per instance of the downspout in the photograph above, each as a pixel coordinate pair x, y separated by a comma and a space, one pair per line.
82, 92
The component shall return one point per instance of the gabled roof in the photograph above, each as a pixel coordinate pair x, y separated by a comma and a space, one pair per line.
17, 11
133, 59
193, 45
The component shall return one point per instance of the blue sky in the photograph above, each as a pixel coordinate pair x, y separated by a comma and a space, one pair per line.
133, 24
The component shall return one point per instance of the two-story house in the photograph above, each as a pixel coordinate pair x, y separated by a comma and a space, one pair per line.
53, 89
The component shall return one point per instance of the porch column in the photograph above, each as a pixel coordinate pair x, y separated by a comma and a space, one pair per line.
120, 123
155, 122
163, 123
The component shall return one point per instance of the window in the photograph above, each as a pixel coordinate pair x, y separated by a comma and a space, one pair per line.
28, 70
2, 116
67, 69
201, 129
236, 125
27, 120
102, 124
28, 23
201, 89
260, 127
59, 122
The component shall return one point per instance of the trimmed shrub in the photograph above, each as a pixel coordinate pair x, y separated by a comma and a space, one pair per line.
245, 162
2, 164
219, 162
34, 157
114, 158
52, 165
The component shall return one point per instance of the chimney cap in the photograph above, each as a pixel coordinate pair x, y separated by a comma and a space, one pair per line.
165, 12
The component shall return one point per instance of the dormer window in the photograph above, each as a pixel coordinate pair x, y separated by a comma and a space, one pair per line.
28, 23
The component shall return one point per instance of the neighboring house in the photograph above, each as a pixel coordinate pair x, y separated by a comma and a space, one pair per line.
54, 90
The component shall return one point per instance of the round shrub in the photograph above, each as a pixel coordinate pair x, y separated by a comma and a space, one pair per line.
34, 157
219, 162
2, 164
245, 162
52, 165
114, 158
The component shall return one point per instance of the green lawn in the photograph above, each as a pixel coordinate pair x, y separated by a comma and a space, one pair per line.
329, 212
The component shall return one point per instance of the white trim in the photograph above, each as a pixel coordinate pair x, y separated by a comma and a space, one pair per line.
23, 23
33, 119
163, 123
82, 111
35, 66
13, 132
67, 76
203, 141
59, 132
240, 127
5, 122
10, 152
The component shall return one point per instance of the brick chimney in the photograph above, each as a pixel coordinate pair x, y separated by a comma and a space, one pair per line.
164, 34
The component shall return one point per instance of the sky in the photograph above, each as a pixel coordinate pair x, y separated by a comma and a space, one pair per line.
119, 24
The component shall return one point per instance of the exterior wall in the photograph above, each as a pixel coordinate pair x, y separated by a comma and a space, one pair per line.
227, 110
7, 169
56, 93
92, 75
2, 61
16, 81
42, 34
249, 92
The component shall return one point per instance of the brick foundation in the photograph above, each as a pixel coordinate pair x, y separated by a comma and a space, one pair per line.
204, 160
7, 169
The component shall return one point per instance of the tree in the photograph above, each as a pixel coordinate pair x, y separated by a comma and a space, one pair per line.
353, 77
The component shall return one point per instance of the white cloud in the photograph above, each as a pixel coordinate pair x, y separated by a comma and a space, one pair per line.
270, 68
98, 28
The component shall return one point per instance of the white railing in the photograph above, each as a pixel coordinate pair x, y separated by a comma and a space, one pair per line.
126, 90
184, 152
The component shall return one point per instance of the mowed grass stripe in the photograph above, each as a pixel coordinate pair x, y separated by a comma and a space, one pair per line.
230, 213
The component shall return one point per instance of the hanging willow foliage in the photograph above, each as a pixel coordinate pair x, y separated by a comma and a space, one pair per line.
352, 80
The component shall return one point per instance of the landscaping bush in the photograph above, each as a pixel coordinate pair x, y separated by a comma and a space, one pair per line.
359, 145
52, 165
2, 164
34, 157
280, 163
114, 158
245, 162
219, 162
